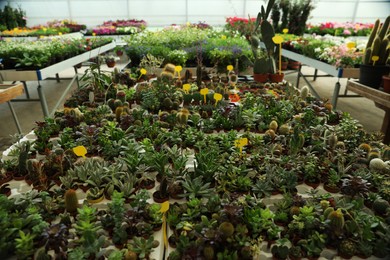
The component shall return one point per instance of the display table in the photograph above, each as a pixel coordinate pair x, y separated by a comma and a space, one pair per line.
8, 92
42, 74
330, 70
381, 100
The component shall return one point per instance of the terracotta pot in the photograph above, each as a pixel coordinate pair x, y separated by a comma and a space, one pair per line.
331, 189
386, 83
276, 77
260, 77
284, 65
110, 64
293, 65
6, 178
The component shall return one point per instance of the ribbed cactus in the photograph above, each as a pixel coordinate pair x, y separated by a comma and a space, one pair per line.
378, 44
336, 219
386, 154
380, 206
71, 201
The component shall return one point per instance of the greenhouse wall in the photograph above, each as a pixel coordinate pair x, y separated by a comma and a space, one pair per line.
159, 13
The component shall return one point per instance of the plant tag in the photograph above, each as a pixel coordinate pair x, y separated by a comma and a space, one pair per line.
80, 151
204, 92
351, 45
374, 59
230, 67
186, 88
277, 39
240, 143
163, 210
178, 69
142, 72
164, 207
217, 97
285, 30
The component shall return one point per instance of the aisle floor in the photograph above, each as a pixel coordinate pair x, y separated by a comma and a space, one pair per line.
29, 113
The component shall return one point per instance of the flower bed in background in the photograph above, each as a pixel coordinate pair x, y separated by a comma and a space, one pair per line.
215, 48
119, 27
337, 51
55, 27
340, 29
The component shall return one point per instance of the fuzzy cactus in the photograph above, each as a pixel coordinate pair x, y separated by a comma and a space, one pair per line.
71, 201
121, 95
273, 125
336, 219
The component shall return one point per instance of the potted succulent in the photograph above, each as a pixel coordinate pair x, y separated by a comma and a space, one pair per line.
264, 63
110, 60
375, 56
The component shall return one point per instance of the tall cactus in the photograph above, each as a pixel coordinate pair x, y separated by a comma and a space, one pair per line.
263, 28
378, 44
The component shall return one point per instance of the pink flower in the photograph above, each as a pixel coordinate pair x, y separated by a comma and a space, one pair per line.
347, 32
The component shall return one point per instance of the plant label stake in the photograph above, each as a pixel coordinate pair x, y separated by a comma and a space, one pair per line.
374, 59
80, 151
285, 30
178, 69
163, 210
240, 143
143, 72
229, 68
278, 40
186, 88
204, 92
217, 97
351, 45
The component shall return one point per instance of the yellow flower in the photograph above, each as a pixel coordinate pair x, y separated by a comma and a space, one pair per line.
223, 37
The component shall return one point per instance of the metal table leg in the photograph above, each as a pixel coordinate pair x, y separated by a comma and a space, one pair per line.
43, 100
15, 117
336, 93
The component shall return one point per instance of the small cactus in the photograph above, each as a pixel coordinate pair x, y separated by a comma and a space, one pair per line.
386, 154
226, 229
121, 95
336, 221
380, 206
304, 92
208, 252
273, 125
71, 201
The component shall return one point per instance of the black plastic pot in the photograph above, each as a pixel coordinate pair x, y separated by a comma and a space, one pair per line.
372, 75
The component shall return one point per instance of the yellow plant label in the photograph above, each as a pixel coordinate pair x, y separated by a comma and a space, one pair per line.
93, 34
285, 30
230, 67
277, 39
374, 59
351, 45
241, 142
186, 87
204, 92
80, 151
178, 68
164, 207
217, 97
143, 71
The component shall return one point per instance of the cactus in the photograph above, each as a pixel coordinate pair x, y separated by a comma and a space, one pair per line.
22, 158
347, 248
71, 201
380, 206
208, 252
273, 125
386, 154
336, 218
377, 44
121, 95
167, 103
327, 212
226, 229
264, 64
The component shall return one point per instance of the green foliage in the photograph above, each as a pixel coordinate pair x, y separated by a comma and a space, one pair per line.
11, 18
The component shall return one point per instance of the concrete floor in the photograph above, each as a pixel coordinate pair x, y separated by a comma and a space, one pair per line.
28, 113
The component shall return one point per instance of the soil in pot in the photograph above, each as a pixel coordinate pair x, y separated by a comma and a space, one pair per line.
159, 198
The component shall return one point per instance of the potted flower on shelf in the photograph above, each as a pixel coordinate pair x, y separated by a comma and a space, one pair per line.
110, 60
376, 55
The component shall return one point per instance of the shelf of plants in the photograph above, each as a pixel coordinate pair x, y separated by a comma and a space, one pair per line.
330, 70
91, 49
219, 164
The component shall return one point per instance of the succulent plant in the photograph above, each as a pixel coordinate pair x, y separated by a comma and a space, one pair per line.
71, 201
377, 44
